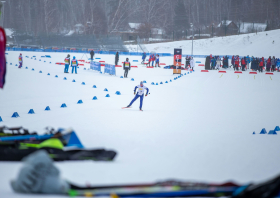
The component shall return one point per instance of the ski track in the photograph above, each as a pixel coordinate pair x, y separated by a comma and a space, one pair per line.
198, 127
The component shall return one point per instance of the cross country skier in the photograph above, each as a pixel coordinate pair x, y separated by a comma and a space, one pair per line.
67, 63
140, 93
126, 67
20, 61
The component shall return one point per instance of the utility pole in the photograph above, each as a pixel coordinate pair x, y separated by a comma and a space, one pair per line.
192, 38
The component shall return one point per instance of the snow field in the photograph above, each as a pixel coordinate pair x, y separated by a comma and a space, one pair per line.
262, 44
198, 127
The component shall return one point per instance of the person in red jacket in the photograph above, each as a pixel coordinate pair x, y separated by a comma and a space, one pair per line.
268, 64
243, 63
261, 65
150, 59
153, 59
236, 63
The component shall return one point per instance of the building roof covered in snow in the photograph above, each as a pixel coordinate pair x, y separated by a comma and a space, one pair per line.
134, 25
71, 32
79, 25
227, 23
9, 32
246, 27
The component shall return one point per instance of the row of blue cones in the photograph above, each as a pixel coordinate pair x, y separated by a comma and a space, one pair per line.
169, 81
31, 111
271, 132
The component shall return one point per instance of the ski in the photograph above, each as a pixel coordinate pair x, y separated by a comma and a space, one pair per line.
126, 107
160, 189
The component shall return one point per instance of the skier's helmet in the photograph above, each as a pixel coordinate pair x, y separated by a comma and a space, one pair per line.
141, 83
74, 57
68, 55
127, 59
20, 54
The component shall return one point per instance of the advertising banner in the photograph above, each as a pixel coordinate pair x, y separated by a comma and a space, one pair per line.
95, 66
177, 61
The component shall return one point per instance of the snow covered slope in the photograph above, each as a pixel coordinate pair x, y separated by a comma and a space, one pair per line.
260, 44
198, 127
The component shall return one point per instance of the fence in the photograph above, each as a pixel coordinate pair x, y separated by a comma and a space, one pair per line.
108, 52
110, 69
105, 43
95, 66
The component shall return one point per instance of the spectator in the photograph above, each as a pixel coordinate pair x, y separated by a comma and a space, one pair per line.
143, 58
20, 60
278, 64
261, 65
254, 64
150, 59
192, 64
91, 54
117, 58
157, 61
232, 61
273, 63
153, 59
226, 62
243, 63
268, 64
236, 63
248, 61
67, 63
218, 61
213, 63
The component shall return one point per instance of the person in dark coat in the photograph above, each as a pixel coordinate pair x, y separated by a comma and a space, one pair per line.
225, 62
91, 54
273, 63
207, 62
117, 58
253, 64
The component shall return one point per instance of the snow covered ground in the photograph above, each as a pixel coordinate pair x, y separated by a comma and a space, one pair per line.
198, 127
260, 44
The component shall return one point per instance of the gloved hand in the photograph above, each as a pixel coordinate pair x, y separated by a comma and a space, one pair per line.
134, 93
146, 95
39, 175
